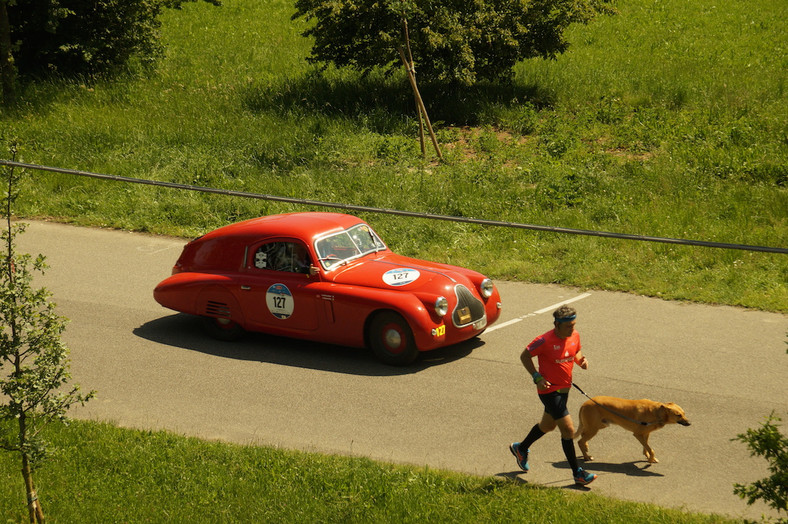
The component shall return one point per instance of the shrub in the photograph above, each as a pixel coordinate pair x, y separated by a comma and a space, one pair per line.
453, 41
768, 442
85, 37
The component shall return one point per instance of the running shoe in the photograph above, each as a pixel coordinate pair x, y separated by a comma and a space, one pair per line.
522, 458
583, 477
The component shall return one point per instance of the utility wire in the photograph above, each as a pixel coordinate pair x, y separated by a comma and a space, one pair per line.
415, 214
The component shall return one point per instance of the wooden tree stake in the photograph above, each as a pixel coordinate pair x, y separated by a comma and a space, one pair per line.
423, 117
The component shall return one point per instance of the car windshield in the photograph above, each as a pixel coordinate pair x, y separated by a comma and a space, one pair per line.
350, 244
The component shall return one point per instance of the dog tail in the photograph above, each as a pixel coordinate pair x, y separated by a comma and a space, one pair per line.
579, 429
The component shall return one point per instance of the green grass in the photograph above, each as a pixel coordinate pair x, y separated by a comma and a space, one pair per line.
106, 474
668, 120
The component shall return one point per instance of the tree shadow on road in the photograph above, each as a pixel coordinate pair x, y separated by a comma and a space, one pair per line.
185, 332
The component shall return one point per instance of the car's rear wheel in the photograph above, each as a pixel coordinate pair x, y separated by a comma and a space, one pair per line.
391, 339
222, 328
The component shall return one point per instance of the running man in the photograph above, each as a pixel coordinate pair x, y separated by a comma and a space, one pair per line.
557, 351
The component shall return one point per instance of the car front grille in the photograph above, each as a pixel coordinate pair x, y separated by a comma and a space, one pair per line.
469, 308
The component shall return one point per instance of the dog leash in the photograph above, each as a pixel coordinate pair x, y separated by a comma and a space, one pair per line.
613, 412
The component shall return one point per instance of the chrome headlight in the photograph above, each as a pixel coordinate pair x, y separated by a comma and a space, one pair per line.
441, 306
486, 288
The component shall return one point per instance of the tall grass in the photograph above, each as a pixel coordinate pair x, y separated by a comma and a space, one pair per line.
668, 119
106, 474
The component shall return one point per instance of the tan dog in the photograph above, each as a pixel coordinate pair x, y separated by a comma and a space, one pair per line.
641, 417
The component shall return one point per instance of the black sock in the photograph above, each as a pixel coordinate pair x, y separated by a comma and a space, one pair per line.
532, 437
569, 450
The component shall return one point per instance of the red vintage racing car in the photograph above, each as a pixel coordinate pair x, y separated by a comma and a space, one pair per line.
326, 277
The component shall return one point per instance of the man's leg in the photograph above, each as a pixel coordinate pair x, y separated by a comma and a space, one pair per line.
567, 429
520, 449
568, 444
546, 425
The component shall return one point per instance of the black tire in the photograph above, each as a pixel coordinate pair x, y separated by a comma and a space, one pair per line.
222, 329
391, 339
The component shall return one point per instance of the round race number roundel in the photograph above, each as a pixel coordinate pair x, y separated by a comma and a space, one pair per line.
400, 276
280, 301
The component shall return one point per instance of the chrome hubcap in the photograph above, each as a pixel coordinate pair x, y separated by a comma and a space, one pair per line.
392, 338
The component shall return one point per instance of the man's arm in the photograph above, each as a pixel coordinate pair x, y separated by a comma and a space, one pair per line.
528, 362
581, 360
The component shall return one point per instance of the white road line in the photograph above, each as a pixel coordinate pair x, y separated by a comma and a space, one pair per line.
537, 312
156, 249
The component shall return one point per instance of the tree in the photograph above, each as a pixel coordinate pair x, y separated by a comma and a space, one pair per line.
34, 365
83, 37
768, 442
7, 69
454, 41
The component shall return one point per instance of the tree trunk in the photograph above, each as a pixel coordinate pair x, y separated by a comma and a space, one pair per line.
33, 504
7, 71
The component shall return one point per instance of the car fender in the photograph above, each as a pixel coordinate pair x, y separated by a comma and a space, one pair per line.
217, 301
357, 305
201, 294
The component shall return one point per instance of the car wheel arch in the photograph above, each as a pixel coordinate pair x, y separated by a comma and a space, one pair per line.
218, 302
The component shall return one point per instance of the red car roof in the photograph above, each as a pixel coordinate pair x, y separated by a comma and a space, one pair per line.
303, 225
224, 248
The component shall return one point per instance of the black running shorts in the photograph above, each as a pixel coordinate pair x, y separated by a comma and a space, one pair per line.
555, 404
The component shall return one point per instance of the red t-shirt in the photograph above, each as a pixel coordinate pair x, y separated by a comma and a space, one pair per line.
556, 357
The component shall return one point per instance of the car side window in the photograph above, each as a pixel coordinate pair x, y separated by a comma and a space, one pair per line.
291, 257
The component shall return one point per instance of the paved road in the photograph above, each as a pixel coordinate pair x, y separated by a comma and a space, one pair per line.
457, 410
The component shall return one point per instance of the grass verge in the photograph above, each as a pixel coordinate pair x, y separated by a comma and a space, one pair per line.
103, 473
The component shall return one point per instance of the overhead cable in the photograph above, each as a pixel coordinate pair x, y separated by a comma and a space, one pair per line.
415, 214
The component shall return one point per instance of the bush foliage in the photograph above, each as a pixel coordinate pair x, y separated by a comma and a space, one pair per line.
82, 36
455, 41
767, 442
85, 37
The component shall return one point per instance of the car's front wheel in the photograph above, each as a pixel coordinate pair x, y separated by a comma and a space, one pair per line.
222, 328
392, 340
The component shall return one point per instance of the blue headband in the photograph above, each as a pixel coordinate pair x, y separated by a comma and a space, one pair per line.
566, 319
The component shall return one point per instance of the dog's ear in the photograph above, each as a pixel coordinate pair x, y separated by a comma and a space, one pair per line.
675, 412
675, 409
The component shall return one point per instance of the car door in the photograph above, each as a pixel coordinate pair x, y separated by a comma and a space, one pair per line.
277, 292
